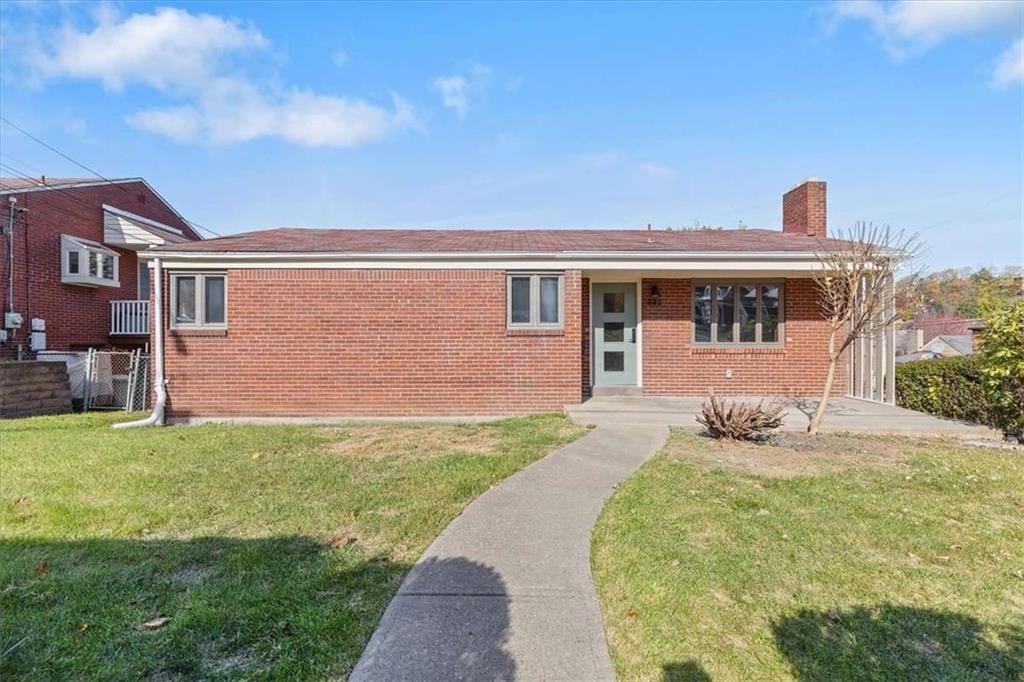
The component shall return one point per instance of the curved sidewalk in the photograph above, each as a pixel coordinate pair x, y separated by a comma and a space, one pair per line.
505, 591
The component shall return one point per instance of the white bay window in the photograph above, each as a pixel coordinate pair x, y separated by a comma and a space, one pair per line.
88, 263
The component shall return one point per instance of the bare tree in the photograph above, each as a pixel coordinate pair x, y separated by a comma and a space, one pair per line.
855, 284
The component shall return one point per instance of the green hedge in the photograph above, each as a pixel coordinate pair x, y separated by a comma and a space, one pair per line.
951, 387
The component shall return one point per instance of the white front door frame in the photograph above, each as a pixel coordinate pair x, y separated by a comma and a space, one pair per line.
614, 278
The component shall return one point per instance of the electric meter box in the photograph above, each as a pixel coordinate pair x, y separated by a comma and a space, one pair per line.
13, 320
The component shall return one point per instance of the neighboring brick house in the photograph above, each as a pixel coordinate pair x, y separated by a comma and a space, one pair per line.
294, 322
75, 244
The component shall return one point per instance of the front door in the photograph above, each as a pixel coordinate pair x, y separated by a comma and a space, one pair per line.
613, 311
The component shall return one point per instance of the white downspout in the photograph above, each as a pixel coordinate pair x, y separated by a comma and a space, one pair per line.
156, 418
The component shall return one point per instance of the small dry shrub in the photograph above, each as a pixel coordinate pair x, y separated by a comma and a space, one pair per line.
740, 421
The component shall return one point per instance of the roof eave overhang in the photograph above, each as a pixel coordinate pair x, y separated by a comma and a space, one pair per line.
581, 260
170, 253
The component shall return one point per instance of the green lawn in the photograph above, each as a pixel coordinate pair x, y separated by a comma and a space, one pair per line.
273, 550
836, 558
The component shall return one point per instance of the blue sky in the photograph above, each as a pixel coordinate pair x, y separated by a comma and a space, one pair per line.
535, 115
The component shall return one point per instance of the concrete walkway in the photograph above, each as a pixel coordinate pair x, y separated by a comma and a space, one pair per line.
505, 592
841, 415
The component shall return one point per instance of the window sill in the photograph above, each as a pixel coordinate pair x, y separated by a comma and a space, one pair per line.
198, 332
534, 331
737, 350
90, 282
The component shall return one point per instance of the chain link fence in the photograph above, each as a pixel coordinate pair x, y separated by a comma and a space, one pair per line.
106, 380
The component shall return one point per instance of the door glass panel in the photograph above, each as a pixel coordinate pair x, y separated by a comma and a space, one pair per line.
769, 313
614, 302
143, 281
725, 304
185, 300
614, 332
214, 294
748, 313
520, 300
702, 313
549, 300
614, 361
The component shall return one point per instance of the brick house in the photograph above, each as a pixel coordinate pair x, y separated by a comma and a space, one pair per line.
350, 322
75, 265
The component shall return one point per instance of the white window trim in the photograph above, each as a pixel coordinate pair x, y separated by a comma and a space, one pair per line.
713, 342
535, 322
83, 247
200, 322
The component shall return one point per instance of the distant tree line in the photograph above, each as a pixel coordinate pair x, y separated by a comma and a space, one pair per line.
959, 292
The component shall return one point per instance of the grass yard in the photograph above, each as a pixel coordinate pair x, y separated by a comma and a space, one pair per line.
828, 558
273, 550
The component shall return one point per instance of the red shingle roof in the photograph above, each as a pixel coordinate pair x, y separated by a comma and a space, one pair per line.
358, 241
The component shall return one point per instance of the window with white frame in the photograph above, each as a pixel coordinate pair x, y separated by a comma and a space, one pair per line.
535, 300
199, 300
738, 313
88, 263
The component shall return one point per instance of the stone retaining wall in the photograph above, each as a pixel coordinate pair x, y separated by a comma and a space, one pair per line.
28, 389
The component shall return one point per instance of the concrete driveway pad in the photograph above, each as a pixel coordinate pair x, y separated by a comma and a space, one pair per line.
505, 592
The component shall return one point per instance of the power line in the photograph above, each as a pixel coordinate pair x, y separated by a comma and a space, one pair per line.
57, 151
67, 212
190, 223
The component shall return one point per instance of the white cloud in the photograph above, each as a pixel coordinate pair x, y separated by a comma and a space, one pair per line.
1010, 66
454, 91
181, 124
190, 58
457, 89
615, 161
232, 111
906, 28
168, 49
909, 26
340, 57
652, 169
75, 126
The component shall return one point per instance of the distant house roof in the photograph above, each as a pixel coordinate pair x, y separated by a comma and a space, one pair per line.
43, 183
962, 344
936, 326
525, 241
21, 184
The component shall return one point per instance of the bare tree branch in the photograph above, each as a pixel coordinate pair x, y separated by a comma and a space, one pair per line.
855, 278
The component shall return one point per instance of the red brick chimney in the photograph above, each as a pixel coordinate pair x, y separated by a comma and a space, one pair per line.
803, 208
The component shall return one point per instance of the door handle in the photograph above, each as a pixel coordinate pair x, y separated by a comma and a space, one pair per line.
634, 334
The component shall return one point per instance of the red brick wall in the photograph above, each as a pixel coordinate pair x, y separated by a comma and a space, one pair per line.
373, 342
673, 365
804, 209
76, 316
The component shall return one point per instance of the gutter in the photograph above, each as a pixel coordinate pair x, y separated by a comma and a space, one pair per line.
156, 418
482, 255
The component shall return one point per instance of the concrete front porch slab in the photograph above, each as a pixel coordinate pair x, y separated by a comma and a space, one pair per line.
842, 415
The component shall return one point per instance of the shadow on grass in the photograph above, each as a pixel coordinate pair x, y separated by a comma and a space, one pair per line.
897, 642
687, 671
282, 607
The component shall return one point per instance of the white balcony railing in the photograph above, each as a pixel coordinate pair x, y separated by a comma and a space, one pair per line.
129, 318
